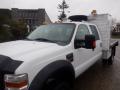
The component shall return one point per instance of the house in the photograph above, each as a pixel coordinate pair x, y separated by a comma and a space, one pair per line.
32, 17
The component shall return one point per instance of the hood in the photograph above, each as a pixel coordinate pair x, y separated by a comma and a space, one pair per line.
17, 49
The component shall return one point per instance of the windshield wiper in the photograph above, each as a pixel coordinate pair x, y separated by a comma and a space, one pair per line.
28, 39
45, 40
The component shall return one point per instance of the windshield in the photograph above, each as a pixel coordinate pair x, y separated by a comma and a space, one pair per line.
57, 33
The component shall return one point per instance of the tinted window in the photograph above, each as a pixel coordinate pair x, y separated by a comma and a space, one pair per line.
82, 31
95, 32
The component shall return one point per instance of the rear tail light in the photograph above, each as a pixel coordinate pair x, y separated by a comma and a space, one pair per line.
16, 82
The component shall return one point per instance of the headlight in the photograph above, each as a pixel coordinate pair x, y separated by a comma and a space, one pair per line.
16, 82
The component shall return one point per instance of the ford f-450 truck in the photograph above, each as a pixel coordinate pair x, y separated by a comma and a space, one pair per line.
53, 55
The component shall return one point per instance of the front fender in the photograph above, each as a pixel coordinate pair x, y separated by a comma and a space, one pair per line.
54, 67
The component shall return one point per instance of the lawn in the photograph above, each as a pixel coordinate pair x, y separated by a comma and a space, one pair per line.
116, 36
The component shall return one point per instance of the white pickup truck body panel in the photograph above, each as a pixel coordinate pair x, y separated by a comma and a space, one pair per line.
37, 55
83, 58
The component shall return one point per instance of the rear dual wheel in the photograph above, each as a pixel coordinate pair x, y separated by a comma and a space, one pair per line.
108, 61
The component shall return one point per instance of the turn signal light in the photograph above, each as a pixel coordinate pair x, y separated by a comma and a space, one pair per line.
16, 82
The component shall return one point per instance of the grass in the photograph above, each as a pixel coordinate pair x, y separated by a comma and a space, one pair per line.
116, 36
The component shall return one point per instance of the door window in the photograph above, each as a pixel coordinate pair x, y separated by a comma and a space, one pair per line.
95, 32
81, 32
80, 35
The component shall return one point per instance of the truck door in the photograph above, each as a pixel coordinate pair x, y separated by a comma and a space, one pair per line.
81, 54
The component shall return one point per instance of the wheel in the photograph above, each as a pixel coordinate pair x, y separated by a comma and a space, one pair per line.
62, 86
104, 61
110, 60
56, 84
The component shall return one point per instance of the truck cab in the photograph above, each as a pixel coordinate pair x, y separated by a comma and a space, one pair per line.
84, 57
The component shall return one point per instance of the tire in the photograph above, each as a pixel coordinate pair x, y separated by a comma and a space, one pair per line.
110, 60
56, 84
56, 75
104, 62
63, 86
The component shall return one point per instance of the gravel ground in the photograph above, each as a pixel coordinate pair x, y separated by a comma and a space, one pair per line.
100, 77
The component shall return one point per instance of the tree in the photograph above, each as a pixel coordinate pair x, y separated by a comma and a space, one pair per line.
11, 30
62, 7
18, 29
5, 34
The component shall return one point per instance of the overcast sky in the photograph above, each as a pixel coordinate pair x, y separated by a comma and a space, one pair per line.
76, 6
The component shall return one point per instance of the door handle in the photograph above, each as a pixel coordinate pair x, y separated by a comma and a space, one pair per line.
100, 44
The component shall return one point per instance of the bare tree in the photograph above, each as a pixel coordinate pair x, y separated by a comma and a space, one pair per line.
62, 7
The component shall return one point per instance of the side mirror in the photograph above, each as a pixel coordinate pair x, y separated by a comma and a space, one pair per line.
90, 42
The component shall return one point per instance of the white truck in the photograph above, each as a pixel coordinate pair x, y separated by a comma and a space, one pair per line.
54, 55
